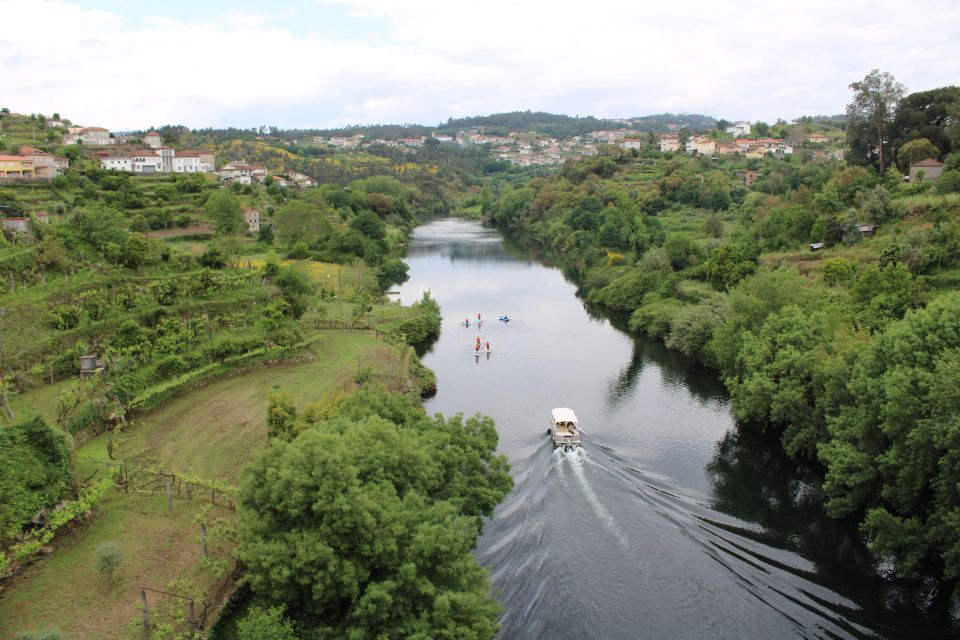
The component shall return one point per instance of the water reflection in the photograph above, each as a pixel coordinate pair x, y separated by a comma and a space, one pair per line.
754, 481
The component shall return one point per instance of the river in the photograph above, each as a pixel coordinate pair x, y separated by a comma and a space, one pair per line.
668, 523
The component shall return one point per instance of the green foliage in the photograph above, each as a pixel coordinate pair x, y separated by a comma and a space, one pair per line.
299, 221
730, 264
894, 447
380, 515
265, 624
103, 226
392, 272
35, 472
226, 213
109, 560
295, 287
281, 416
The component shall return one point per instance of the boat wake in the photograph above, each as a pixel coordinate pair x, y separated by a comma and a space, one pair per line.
589, 542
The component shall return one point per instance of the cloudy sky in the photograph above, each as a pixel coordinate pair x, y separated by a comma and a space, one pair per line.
127, 64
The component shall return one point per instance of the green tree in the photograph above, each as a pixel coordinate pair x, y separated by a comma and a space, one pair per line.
135, 251
295, 287
109, 560
870, 115
103, 226
894, 446
932, 115
281, 416
224, 210
301, 221
363, 526
914, 151
265, 624
369, 224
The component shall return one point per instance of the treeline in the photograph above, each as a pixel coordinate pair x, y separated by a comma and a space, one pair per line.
848, 354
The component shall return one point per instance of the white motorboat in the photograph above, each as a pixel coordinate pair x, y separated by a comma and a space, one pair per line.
564, 428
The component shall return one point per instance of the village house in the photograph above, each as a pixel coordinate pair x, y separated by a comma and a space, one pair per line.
739, 129
631, 143
817, 138
242, 172
443, 138
45, 165
152, 139
412, 142
747, 177
91, 136
701, 145
252, 217
342, 141
726, 149
928, 169
669, 142
16, 167
162, 160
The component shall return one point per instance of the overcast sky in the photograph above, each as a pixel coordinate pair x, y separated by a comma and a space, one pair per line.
126, 64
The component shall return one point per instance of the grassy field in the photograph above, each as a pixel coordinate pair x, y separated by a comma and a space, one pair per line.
213, 431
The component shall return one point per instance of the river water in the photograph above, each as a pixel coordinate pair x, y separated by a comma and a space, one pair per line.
668, 523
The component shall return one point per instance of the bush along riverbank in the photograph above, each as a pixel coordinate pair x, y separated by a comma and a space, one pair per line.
851, 353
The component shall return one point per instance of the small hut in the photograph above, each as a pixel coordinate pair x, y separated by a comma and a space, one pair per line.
90, 365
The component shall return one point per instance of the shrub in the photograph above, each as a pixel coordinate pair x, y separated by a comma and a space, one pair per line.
109, 560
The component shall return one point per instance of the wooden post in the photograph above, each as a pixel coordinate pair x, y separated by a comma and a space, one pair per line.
170, 494
203, 539
146, 612
189, 491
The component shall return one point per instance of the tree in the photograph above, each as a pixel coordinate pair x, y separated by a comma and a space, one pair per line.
369, 224
870, 115
281, 416
135, 251
893, 450
910, 152
931, 115
300, 221
224, 210
265, 624
363, 526
109, 560
295, 287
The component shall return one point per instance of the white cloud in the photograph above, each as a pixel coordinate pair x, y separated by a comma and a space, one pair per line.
752, 60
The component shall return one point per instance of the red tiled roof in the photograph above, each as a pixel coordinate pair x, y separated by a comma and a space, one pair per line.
14, 158
927, 162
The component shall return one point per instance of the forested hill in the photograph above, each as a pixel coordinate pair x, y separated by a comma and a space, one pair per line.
550, 124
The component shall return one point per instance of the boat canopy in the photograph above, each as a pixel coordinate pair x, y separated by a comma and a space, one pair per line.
562, 415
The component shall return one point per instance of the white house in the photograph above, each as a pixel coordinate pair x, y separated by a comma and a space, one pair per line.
632, 143
187, 162
91, 136
739, 129
144, 161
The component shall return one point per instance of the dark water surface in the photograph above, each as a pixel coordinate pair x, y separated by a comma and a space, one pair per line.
668, 523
